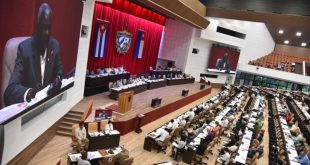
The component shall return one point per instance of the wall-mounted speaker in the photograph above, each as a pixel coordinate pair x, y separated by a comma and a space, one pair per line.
195, 51
208, 75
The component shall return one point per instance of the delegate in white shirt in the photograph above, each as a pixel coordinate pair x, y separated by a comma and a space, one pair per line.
108, 128
80, 133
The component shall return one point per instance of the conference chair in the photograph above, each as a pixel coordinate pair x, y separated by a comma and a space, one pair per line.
253, 160
109, 160
128, 161
92, 127
198, 158
162, 146
179, 152
8, 63
102, 124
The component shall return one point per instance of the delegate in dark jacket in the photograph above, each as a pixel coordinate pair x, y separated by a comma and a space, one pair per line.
27, 70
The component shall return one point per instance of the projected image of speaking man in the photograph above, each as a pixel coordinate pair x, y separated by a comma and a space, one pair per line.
37, 64
223, 64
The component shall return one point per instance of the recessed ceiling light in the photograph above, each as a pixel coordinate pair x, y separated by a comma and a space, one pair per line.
281, 31
286, 41
298, 34
303, 44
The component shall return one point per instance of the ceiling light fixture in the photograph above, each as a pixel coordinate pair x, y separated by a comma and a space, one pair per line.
281, 31
286, 41
303, 44
298, 34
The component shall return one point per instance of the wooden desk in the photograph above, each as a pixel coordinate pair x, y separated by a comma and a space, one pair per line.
103, 142
180, 81
98, 84
188, 155
148, 143
136, 89
164, 72
157, 84
94, 156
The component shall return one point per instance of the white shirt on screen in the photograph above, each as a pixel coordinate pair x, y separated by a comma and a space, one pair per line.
42, 62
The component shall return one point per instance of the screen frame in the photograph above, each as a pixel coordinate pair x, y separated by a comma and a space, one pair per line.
39, 103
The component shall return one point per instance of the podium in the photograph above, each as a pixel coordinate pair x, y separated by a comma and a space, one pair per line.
125, 101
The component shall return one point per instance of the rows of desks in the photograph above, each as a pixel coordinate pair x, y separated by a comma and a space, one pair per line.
95, 84
149, 84
98, 140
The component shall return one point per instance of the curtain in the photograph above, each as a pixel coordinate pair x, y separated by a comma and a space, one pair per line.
136, 10
118, 21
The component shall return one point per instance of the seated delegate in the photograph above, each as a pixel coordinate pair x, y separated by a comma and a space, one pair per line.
108, 127
80, 134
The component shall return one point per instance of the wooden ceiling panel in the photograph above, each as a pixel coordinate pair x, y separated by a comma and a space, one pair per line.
178, 10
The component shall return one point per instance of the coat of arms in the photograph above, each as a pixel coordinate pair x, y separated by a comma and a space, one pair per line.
123, 40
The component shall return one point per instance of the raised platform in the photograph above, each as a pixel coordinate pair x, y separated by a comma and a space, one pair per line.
171, 101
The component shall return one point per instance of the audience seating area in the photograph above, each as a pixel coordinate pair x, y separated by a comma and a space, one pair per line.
239, 140
287, 131
245, 136
279, 61
221, 111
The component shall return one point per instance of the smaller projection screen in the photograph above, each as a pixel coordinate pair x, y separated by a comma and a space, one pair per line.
223, 59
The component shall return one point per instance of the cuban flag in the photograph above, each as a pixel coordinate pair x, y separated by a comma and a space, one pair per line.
101, 38
139, 44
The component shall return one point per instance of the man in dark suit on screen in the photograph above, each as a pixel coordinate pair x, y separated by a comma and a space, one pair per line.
37, 64
223, 64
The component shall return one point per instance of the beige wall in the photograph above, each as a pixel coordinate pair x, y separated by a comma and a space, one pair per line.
292, 50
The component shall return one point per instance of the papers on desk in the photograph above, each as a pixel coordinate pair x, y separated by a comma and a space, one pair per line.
247, 137
244, 147
303, 109
73, 157
157, 80
129, 86
93, 155
105, 74
116, 151
114, 132
289, 143
94, 134
153, 134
